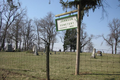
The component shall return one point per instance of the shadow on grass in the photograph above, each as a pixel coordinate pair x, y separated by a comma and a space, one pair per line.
108, 74
109, 79
89, 73
11, 72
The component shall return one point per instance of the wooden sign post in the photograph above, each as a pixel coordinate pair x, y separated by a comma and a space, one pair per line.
78, 37
78, 42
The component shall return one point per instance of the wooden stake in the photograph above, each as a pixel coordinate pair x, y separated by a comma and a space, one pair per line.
47, 62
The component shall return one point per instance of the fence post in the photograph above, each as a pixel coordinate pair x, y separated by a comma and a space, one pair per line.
47, 62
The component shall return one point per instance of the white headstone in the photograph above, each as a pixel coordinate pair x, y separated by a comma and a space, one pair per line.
35, 50
93, 53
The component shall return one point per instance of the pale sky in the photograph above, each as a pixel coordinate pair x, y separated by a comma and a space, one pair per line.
95, 25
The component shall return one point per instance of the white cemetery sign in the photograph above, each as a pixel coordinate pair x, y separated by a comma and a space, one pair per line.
68, 22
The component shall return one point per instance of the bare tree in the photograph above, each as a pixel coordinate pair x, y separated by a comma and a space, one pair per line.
48, 32
47, 28
115, 32
84, 38
53, 40
114, 37
15, 30
11, 10
28, 34
39, 42
62, 38
89, 46
109, 41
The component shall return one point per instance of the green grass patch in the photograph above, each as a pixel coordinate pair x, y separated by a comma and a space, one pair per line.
26, 66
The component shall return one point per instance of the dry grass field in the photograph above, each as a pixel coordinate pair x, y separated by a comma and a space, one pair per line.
26, 66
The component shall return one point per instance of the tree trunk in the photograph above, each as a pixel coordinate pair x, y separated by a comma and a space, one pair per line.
0, 28
20, 45
63, 48
39, 48
116, 47
3, 43
25, 46
39, 44
52, 45
16, 43
16, 36
70, 48
112, 49
74, 50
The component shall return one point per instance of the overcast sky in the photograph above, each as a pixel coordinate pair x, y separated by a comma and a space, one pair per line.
95, 25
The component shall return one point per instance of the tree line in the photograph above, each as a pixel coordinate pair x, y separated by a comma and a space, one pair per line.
113, 38
16, 28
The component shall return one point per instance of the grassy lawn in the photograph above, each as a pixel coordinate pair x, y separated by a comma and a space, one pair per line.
26, 66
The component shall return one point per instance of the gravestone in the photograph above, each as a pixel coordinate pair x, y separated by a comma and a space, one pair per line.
9, 48
103, 51
55, 52
99, 53
59, 50
35, 50
93, 53
44, 51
